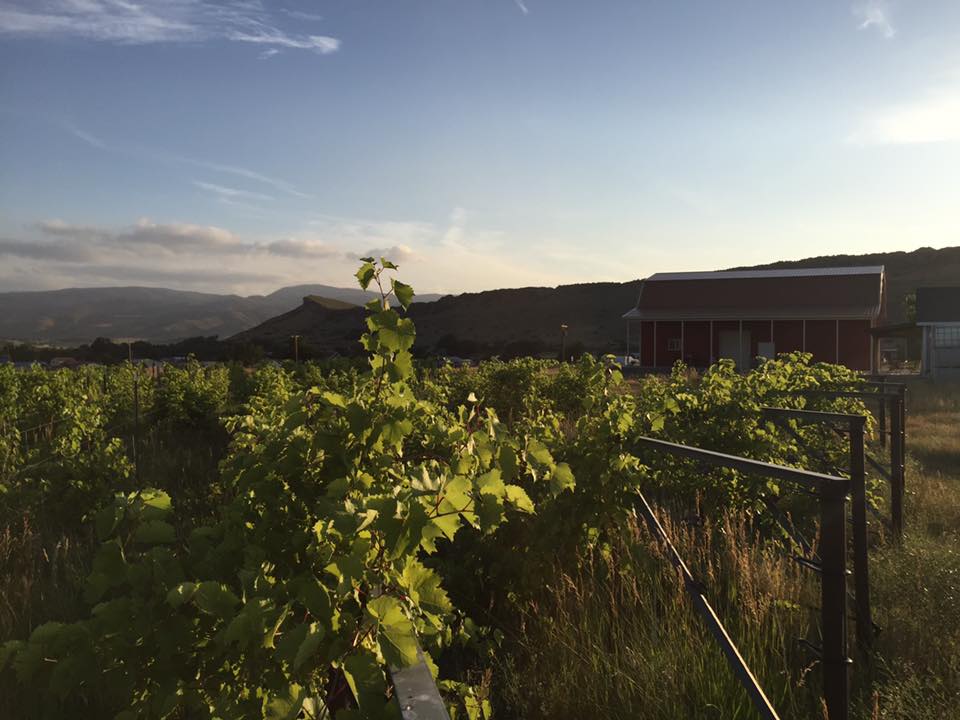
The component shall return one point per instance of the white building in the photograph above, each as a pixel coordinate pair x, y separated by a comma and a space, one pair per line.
938, 314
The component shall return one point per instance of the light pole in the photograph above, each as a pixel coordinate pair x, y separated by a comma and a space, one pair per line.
563, 343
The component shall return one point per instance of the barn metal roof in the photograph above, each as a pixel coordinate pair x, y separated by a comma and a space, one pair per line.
815, 293
938, 305
775, 273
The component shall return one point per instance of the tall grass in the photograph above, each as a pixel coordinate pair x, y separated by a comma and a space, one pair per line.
615, 635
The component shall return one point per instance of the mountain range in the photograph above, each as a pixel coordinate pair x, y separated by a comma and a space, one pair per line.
527, 321
79, 315
520, 320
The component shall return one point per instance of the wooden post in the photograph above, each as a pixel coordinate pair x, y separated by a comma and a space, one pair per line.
883, 416
833, 600
858, 513
896, 467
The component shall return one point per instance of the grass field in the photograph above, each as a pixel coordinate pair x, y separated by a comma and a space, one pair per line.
615, 636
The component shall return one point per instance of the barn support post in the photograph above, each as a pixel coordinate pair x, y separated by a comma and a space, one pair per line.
626, 355
836, 342
711, 342
740, 348
654, 344
683, 329
640, 345
804, 341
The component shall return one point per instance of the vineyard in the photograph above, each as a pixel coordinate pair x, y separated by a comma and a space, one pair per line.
279, 542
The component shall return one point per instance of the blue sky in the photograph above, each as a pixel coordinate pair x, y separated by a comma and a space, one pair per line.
242, 146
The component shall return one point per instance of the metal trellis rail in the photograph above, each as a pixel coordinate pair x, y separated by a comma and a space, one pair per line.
416, 692
832, 493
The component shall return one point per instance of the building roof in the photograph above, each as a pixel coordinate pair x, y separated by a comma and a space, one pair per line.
938, 304
814, 293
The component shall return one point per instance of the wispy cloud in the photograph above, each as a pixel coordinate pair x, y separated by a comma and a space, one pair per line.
277, 184
163, 156
232, 194
522, 6
156, 21
875, 15
88, 138
301, 15
271, 36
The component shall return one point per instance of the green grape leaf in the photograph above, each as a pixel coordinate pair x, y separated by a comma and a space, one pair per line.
423, 586
490, 483
155, 532
518, 497
365, 678
181, 594
311, 643
561, 478
404, 293
215, 598
395, 634
285, 704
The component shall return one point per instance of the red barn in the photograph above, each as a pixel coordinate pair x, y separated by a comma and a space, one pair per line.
701, 317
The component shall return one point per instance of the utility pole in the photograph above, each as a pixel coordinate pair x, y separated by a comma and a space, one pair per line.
563, 343
296, 348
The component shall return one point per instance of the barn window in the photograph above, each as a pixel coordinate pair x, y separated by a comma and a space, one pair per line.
946, 337
673, 345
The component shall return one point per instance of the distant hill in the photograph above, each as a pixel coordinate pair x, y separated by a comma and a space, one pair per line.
517, 321
527, 320
79, 315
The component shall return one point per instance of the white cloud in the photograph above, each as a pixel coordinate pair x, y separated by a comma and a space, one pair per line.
155, 21
875, 15
301, 248
451, 256
522, 6
394, 253
930, 119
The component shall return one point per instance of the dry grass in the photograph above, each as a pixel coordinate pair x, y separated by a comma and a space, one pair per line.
614, 635
39, 578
